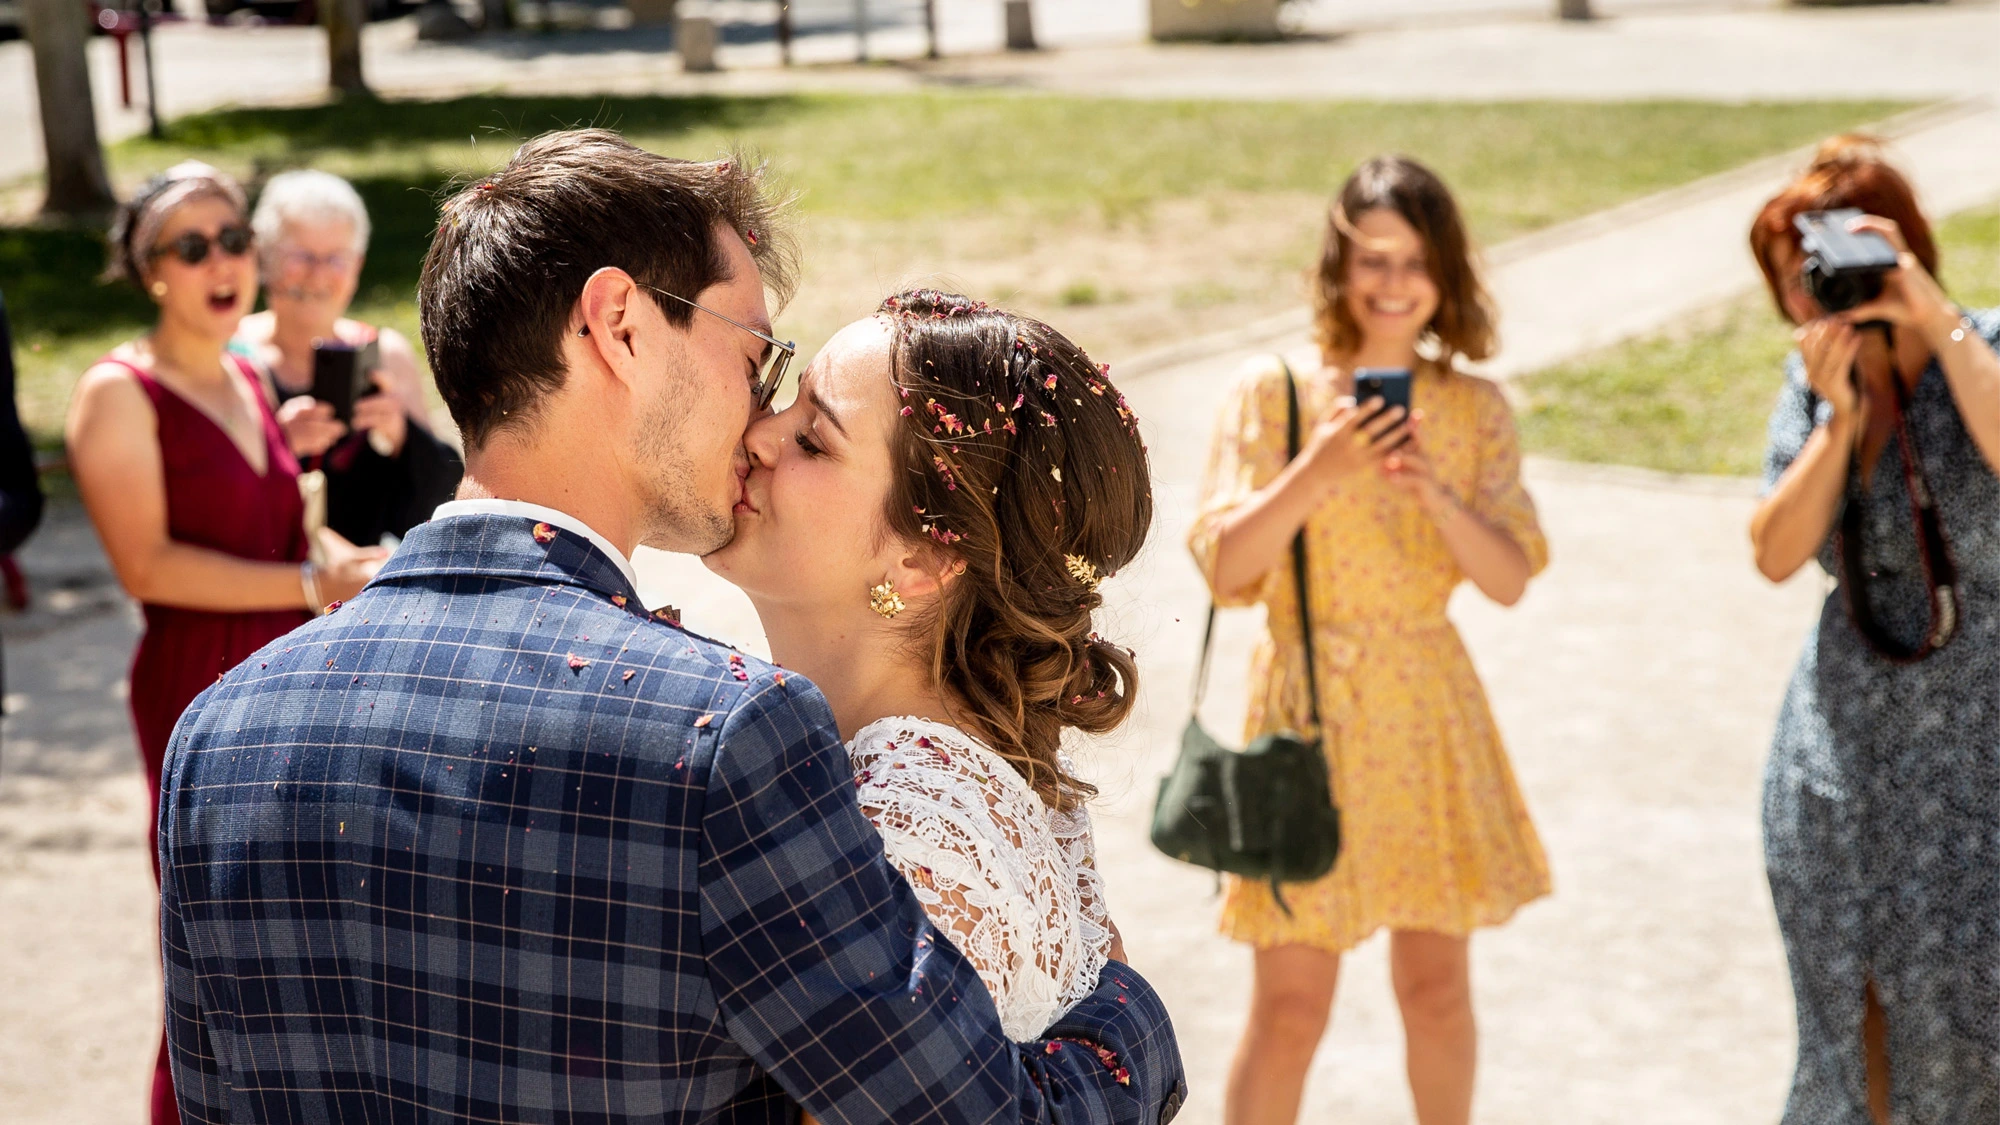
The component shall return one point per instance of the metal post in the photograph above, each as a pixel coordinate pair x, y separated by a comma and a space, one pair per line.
146, 51
930, 27
785, 32
861, 31
124, 68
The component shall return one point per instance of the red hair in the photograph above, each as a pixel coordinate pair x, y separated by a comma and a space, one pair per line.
1849, 170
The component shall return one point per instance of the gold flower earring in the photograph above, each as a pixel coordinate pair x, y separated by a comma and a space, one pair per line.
885, 600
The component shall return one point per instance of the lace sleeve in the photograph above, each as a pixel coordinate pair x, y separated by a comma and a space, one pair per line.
1074, 835
976, 845
940, 835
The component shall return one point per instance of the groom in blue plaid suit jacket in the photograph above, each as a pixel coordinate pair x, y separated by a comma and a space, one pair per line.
491, 843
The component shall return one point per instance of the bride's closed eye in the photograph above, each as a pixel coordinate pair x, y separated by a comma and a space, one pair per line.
807, 445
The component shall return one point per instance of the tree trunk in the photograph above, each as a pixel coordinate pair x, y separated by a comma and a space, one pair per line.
77, 184
344, 20
499, 17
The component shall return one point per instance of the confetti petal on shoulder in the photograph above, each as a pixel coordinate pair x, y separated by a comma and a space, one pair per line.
544, 533
704, 720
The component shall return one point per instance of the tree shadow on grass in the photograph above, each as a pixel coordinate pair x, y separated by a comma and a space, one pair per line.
50, 275
361, 125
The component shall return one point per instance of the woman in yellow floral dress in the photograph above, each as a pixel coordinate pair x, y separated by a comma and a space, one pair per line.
1436, 838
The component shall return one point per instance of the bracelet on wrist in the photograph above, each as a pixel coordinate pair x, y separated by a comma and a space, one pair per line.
309, 585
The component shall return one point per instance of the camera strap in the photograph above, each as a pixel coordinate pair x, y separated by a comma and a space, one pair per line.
1933, 549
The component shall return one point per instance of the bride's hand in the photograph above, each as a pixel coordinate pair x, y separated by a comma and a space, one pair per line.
1117, 942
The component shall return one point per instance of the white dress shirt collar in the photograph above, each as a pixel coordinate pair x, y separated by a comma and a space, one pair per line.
540, 514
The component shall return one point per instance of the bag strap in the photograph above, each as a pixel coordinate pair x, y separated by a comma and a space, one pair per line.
1299, 547
1298, 573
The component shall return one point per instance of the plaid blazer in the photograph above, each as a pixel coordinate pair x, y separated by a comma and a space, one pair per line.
487, 843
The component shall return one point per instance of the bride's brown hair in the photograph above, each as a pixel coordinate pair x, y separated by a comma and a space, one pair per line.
1020, 459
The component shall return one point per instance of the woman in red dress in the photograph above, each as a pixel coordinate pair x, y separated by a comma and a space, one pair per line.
186, 475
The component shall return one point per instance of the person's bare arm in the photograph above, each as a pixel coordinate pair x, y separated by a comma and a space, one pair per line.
114, 454
1255, 535
1485, 554
1794, 519
1913, 301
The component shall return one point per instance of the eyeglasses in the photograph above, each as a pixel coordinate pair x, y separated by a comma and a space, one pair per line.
778, 358
191, 247
305, 261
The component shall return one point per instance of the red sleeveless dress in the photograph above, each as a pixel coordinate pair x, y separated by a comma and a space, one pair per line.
214, 500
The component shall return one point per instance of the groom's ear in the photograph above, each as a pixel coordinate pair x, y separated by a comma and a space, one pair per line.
607, 321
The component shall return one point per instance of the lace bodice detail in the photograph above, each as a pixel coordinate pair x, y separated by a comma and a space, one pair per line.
1011, 881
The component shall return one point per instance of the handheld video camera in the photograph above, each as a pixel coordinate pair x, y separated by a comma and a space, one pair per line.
1843, 268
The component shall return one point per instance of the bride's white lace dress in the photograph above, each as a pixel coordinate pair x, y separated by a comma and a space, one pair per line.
1010, 880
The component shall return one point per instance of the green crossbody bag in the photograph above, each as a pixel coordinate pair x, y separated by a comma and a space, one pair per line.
1266, 812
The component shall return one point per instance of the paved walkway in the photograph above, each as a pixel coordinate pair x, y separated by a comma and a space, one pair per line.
1431, 49
1635, 685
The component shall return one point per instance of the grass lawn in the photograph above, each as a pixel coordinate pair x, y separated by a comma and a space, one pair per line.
1695, 400
1128, 224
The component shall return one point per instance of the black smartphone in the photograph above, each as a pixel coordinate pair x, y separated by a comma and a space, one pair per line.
1390, 384
343, 373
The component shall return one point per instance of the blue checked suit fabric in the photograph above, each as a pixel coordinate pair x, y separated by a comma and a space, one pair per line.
485, 845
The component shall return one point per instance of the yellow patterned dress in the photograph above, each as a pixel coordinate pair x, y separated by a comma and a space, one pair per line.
1435, 835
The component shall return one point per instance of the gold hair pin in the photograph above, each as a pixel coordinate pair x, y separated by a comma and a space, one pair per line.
1081, 569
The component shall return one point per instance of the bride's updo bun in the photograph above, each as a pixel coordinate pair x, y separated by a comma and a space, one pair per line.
1021, 460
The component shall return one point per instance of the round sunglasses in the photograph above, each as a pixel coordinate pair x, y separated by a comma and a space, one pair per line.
192, 247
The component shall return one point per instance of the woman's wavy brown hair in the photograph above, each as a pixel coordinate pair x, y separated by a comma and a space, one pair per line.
1463, 323
1021, 460
1848, 170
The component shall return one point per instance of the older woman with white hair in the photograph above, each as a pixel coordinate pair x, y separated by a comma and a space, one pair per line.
385, 471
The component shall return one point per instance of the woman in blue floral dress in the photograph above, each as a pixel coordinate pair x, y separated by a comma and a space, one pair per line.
1882, 795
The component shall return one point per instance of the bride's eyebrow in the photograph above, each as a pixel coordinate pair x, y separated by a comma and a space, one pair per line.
819, 405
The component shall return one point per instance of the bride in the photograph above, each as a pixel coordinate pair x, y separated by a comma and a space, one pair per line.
922, 532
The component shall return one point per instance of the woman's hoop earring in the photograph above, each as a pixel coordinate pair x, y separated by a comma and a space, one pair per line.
885, 600
157, 289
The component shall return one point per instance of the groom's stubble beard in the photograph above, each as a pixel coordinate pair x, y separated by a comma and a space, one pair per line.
679, 518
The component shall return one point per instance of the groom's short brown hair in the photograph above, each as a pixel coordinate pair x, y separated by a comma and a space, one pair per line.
513, 250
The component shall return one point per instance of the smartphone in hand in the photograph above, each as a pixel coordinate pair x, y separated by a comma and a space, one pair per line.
343, 373
1390, 384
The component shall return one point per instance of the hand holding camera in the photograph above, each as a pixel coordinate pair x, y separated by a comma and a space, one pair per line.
379, 414
309, 425
1830, 346
1859, 268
